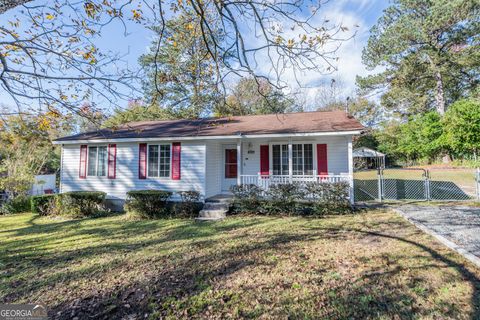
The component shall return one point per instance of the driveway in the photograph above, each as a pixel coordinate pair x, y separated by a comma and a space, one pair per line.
456, 226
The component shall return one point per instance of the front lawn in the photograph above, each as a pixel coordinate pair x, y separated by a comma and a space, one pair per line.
372, 265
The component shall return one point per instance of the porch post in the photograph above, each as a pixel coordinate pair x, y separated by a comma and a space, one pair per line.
239, 162
350, 169
290, 160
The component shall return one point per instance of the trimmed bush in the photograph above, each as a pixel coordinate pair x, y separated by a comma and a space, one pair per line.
147, 203
247, 198
190, 205
293, 199
284, 199
18, 204
80, 203
329, 198
44, 204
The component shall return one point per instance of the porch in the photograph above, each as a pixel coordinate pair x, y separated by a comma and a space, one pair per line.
270, 161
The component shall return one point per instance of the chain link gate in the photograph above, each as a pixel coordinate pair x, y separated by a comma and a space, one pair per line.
418, 184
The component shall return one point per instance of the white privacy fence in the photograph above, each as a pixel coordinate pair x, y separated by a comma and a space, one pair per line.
435, 184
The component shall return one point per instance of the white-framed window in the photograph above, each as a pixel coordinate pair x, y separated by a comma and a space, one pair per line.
280, 159
302, 159
158, 164
97, 161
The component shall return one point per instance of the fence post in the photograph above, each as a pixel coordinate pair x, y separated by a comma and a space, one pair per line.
428, 196
477, 184
379, 178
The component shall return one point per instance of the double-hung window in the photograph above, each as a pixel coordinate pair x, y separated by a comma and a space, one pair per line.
159, 160
302, 159
97, 161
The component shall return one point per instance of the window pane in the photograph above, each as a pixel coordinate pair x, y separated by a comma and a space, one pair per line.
308, 159
102, 161
164, 160
152, 161
285, 159
92, 160
297, 159
276, 159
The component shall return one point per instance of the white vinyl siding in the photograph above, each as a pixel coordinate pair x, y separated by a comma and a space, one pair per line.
192, 170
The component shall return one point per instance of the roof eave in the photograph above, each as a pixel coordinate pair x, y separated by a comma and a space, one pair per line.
247, 136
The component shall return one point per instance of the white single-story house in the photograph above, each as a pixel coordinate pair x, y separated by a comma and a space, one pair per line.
210, 155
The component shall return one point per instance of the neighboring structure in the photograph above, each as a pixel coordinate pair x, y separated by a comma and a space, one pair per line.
43, 184
210, 155
371, 159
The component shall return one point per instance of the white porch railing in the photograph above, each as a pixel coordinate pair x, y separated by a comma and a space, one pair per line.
265, 181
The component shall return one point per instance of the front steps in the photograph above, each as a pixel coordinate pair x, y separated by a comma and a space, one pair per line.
215, 208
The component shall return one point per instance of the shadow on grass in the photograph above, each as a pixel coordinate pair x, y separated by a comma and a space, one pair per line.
182, 287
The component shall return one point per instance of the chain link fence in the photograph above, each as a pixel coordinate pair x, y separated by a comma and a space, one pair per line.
432, 184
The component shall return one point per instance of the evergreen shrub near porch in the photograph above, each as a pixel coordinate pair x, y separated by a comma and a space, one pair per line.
310, 199
152, 204
73, 204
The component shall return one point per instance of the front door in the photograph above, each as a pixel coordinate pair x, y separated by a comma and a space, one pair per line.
230, 167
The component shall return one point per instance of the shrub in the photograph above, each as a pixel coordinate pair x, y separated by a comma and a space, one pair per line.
293, 198
44, 204
284, 199
18, 204
247, 198
189, 206
80, 203
329, 198
147, 203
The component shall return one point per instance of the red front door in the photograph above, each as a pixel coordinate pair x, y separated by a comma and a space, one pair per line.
231, 169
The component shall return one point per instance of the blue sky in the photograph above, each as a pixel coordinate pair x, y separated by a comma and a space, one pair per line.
363, 13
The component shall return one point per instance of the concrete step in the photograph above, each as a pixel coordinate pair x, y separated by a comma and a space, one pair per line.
216, 206
200, 219
220, 214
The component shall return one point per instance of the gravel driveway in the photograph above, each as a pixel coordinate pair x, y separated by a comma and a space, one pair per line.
457, 224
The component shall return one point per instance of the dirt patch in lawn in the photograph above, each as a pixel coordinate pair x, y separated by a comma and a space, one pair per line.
372, 265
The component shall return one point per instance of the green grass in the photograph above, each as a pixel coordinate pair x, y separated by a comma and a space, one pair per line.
371, 265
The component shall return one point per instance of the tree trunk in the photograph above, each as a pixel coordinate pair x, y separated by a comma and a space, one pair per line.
440, 93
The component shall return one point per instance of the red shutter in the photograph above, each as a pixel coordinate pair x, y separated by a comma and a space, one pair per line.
82, 169
142, 161
112, 161
264, 161
322, 159
176, 160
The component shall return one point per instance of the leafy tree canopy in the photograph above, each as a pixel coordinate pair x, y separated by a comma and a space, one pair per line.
462, 127
26, 149
428, 51
255, 96
180, 71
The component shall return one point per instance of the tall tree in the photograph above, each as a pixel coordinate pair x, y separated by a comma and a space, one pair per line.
180, 74
255, 96
429, 51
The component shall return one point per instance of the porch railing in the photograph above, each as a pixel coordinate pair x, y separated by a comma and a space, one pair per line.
265, 181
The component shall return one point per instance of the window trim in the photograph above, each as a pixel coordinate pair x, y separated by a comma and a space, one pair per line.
96, 164
303, 142
148, 176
